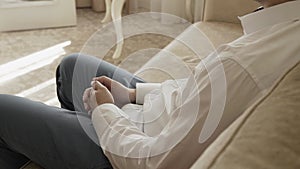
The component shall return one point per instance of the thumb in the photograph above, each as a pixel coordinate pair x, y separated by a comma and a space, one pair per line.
105, 81
96, 85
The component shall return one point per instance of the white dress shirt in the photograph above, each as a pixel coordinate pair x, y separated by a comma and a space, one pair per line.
180, 118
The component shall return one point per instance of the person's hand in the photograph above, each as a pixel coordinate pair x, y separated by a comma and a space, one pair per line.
121, 94
96, 95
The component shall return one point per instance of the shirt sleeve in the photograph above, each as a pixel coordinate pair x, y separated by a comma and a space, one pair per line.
144, 88
188, 132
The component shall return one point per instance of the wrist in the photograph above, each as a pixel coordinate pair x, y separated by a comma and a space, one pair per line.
132, 95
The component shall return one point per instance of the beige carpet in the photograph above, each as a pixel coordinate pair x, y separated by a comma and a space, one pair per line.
15, 45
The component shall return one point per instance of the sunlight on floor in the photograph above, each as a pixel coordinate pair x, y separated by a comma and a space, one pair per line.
32, 62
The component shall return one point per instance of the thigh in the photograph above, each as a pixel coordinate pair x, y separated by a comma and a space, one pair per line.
10, 159
76, 71
50, 136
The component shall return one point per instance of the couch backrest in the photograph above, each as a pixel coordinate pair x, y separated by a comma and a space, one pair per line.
265, 136
227, 10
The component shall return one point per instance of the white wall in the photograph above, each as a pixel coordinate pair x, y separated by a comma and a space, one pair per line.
36, 14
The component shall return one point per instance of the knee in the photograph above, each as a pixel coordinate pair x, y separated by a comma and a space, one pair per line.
65, 69
6, 102
68, 62
4, 98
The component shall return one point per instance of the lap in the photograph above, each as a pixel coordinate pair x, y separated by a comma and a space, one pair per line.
80, 68
76, 72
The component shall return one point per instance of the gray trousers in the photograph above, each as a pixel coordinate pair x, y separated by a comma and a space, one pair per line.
57, 138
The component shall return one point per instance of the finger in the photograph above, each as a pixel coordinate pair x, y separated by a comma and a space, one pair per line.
87, 107
86, 94
106, 81
101, 78
97, 85
85, 99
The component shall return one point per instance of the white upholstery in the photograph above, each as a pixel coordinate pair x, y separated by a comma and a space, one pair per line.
227, 11
220, 25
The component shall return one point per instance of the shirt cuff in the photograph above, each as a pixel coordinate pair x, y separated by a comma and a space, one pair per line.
144, 88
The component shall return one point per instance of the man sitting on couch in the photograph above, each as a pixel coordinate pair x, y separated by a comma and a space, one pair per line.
193, 111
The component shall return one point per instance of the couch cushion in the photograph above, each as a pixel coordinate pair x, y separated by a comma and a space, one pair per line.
178, 60
220, 32
227, 11
266, 136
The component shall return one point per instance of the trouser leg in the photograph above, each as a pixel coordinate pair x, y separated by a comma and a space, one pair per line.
75, 73
10, 159
54, 137
50, 136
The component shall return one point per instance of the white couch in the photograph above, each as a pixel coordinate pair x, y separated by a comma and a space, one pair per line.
220, 25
